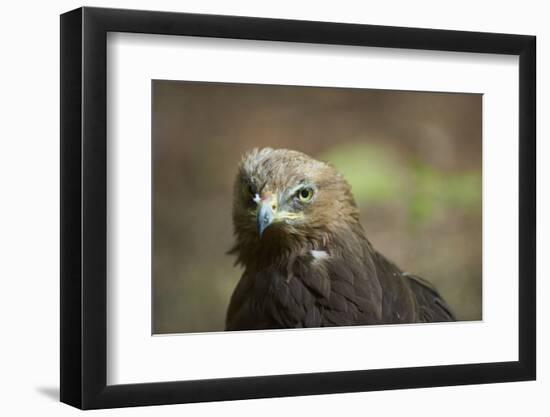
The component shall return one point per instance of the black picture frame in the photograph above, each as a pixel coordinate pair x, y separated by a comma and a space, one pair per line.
84, 207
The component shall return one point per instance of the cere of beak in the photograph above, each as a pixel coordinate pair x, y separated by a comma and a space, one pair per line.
264, 217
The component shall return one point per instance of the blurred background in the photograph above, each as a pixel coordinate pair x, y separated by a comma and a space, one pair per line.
413, 160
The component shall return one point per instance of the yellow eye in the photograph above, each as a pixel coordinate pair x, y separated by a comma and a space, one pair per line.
305, 194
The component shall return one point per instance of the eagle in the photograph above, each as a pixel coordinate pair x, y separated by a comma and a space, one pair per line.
306, 258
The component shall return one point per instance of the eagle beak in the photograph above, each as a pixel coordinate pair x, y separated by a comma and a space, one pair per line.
265, 215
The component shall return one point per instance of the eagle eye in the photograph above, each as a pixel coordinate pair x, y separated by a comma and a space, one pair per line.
305, 194
251, 195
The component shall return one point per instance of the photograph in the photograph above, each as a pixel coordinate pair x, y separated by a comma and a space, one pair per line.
285, 207
264, 206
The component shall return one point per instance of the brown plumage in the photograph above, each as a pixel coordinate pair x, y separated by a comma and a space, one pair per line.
306, 259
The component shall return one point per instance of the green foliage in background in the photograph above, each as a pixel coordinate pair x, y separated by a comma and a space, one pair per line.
372, 171
378, 176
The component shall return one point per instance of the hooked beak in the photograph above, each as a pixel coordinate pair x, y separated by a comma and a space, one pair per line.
264, 216
269, 212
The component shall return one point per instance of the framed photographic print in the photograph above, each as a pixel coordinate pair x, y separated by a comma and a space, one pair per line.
257, 208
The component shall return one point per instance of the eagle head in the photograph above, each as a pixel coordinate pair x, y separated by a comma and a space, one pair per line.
287, 202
